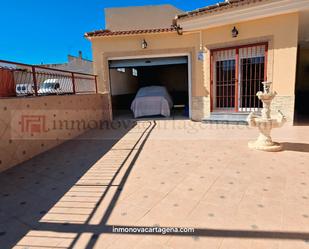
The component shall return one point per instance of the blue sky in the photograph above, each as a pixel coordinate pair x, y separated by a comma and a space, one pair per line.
37, 31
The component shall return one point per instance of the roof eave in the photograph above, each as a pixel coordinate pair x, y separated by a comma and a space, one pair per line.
218, 7
263, 9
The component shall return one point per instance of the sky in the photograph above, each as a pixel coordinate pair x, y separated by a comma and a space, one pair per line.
46, 31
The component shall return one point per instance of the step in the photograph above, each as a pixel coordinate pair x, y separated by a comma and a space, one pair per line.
227, 118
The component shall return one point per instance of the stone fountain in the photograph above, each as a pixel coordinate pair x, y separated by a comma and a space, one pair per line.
265, 122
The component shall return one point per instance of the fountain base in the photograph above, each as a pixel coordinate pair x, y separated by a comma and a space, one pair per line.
270, 147
266, 122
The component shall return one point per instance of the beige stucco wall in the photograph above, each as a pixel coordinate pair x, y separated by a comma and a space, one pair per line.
282, 34
140, 17
123, 82
280, 31
164, 44
56, 112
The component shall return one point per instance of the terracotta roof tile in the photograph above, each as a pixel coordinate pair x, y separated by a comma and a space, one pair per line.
216, 7
106, 32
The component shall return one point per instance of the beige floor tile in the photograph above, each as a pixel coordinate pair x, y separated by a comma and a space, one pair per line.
186, 175
290, 244
151, 243
187, 242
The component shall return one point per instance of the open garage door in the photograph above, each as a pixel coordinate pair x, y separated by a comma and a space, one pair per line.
128, 76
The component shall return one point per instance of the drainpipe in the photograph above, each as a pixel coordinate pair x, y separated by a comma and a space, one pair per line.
179, 30
177, 27
201, 44
201, 40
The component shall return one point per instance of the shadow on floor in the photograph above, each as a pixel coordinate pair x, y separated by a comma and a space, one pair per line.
32, 190
299, 147
176, 114
199, 232
62, 191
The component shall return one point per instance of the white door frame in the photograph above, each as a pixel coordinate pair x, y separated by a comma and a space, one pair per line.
164, 55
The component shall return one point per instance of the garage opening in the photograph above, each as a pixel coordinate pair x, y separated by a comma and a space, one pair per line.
154, 87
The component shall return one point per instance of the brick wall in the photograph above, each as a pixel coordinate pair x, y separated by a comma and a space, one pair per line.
200, 108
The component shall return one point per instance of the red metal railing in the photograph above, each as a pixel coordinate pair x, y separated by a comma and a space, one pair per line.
18, 79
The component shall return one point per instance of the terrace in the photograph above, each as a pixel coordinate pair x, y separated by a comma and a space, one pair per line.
77, 171
167, 173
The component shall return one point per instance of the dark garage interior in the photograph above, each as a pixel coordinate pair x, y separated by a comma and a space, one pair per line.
128, 76
302, 87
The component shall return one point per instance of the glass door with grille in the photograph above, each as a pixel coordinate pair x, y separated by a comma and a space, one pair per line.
251, 76
236, 76
224, 70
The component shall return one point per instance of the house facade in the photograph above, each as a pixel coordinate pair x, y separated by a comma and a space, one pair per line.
230, 48
75, 64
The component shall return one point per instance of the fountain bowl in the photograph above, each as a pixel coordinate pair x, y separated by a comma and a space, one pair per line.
265, 125
265, 122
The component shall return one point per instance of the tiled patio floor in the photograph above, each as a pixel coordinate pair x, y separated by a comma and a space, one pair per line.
166, 173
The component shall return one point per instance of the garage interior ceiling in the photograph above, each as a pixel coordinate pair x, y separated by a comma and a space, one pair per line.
144, 62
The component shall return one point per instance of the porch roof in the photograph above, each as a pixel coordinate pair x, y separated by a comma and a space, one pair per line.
106, 32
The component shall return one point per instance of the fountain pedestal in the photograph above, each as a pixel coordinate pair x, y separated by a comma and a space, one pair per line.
265, 123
